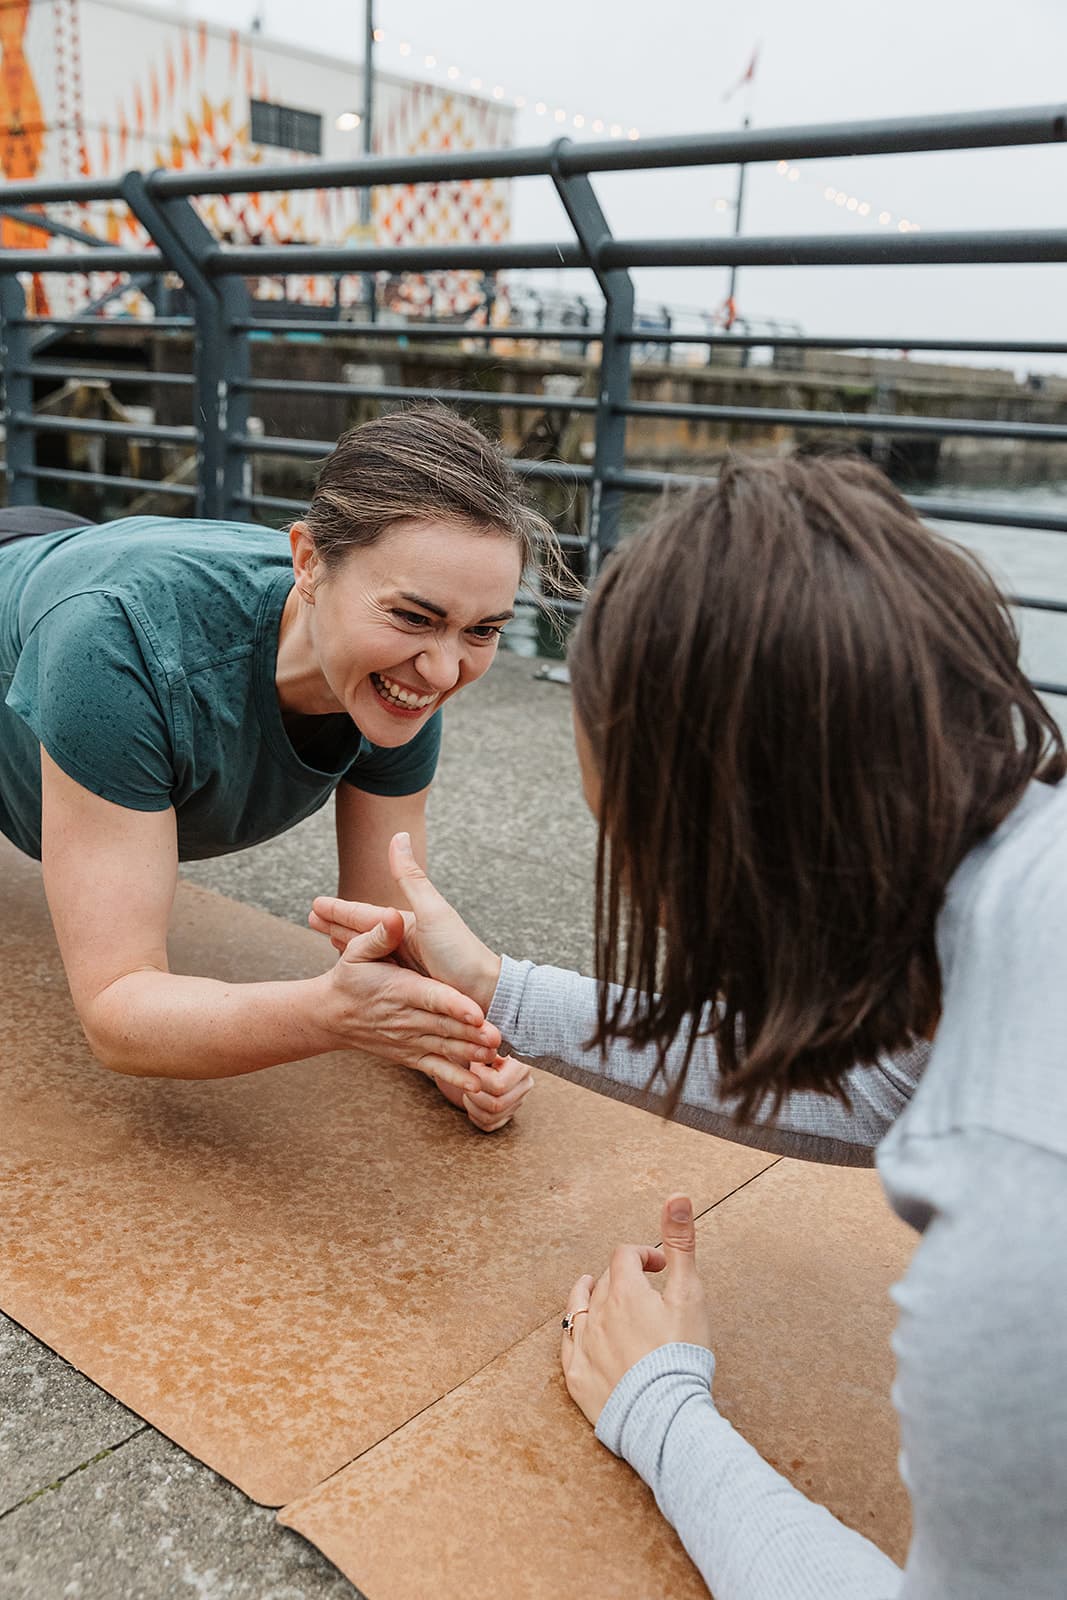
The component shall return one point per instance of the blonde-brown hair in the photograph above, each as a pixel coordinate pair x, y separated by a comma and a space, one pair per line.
426, 464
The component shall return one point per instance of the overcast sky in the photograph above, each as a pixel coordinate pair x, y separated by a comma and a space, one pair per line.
664, 67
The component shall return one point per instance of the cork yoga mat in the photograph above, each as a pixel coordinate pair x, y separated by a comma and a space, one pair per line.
502, 1489
279, 1271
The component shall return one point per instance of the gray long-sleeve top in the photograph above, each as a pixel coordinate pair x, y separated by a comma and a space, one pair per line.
971, 1139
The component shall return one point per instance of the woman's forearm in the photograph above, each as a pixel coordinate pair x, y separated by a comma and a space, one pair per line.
548, 1015
164, 1025
749, 1532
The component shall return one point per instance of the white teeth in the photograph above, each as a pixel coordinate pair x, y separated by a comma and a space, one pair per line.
401, 696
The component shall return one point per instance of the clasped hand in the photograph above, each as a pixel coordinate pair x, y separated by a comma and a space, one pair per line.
421, 982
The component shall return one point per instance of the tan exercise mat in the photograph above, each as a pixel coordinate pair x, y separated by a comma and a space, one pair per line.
279, 1270
502, 1490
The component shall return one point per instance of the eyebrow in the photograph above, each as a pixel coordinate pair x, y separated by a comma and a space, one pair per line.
439, 611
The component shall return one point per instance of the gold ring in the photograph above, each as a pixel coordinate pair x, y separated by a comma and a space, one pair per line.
568, 1322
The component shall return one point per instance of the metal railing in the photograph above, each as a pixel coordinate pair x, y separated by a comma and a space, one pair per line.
222, 316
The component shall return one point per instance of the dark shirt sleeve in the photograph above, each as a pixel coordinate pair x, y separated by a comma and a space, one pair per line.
403, 770
87, 686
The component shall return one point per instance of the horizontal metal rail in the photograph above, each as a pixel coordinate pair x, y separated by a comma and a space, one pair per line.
833, 250
1029, 602
104, 324
987, 515
652, 482
443, 331
462, 397
183, 491
777, 341
855, 421
824, 250
81, 261
151, 431
54, 369
1022, 246
319, 449
578, 335
1025, 125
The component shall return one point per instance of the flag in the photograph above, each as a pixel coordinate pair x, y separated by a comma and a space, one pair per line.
748, 76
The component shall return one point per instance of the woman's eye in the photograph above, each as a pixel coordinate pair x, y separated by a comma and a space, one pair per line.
414, 619
485, 633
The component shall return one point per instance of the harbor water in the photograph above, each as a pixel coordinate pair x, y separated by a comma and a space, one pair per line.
1024, 561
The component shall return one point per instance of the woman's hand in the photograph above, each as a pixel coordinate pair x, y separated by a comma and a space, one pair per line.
622, 1317
504, 1086
436, 940
373, 1004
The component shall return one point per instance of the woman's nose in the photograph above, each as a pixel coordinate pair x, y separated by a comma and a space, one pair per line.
438, 665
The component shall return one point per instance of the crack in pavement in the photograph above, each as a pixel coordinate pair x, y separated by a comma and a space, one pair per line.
57, 1483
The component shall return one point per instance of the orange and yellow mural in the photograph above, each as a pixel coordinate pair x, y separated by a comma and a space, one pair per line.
21, 120
125, 87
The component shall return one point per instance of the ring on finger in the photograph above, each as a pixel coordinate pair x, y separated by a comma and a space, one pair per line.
568, 1322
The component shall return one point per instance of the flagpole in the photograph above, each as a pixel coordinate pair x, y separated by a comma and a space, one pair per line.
748, 83
739, 203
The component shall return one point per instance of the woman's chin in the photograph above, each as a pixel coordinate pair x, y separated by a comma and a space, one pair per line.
385, 723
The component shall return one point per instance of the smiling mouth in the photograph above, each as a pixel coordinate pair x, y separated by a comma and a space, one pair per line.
399, 699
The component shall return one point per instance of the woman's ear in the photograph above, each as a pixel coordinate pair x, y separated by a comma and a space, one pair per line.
305, 560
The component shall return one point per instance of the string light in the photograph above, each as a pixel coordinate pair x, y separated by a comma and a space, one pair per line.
615, 130
561, 114
847, 202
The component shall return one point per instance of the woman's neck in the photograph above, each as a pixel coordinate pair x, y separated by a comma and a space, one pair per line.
301, 688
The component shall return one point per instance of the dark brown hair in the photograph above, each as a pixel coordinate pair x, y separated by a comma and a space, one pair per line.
805, 708
425, 464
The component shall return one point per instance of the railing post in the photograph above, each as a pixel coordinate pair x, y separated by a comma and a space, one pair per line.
220, 357
591, 227
20, 447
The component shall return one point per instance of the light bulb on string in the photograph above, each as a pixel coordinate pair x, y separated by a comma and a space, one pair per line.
560, 114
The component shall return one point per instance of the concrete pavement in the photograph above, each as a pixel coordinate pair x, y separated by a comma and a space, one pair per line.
96, 1505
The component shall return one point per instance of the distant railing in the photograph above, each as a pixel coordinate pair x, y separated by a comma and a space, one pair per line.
220, 314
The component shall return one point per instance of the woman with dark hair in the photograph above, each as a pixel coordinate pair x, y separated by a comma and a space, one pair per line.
832, 869
173, 689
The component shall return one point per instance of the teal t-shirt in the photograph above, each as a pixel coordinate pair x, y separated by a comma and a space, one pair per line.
141, 654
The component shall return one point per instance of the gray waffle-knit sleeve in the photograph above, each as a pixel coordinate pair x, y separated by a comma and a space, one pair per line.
750, 1534
547, 1015
979, 1391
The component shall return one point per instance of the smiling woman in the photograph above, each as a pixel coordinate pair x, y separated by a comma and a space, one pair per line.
390, 632
178, 689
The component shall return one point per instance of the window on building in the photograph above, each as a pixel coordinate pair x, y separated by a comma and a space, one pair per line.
286, 128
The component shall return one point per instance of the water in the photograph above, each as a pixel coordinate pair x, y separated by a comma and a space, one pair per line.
1022, 560
1027, 562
